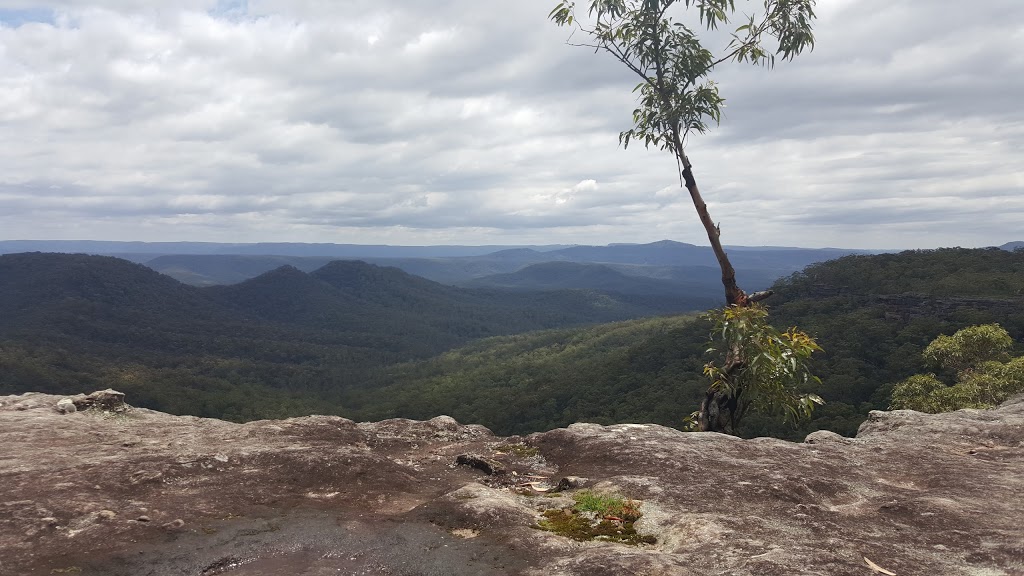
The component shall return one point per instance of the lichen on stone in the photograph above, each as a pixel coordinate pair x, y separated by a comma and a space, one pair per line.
519, 449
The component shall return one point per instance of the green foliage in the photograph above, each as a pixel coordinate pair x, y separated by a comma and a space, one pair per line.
635, 371
675, 94
919, 392
969, 347
771, 369
976, 355
872, 315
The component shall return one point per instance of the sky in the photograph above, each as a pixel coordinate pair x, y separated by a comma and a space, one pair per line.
473, 122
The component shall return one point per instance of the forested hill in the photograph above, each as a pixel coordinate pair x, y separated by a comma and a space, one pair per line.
872, 314
283, 343
213, 269
947, 272
340, 339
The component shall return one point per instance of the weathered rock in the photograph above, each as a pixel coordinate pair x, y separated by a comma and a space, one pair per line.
176, 524
825, 437
106, 400
486, 465
66, 406
913, 493
571, 483
444, 423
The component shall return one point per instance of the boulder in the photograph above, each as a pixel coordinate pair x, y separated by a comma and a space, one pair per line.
106, 400
66, 406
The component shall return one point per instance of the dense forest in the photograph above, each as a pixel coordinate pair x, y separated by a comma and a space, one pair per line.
372, 342
280, 344
873, 315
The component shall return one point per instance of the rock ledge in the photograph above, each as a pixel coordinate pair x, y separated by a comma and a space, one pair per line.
141, 492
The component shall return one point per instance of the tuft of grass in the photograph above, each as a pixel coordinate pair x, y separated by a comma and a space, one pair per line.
614, 519
607, 505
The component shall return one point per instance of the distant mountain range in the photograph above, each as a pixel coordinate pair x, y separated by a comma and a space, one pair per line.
341, 297
650, 269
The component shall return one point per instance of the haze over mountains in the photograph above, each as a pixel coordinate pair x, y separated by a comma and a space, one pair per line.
653, 269
346, 298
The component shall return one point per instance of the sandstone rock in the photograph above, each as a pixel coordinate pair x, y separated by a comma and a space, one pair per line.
445, 423
825, 437
571, 483
107, 400
915, 493
176, 524
66, 406
485, 465
144, 476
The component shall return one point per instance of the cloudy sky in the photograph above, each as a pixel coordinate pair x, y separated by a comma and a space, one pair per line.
472, 122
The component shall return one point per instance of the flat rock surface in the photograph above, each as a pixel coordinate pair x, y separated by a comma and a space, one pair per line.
144, 493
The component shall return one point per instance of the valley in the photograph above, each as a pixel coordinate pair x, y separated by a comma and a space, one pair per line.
546, 345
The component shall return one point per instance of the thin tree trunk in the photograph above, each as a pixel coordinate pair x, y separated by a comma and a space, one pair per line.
719, 412
733, 295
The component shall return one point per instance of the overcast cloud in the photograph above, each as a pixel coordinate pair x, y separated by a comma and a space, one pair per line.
472, 122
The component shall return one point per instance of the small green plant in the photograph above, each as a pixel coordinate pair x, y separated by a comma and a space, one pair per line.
597, 516
760, 368
606, 505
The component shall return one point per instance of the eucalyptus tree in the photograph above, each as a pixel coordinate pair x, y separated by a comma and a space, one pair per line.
677, 97
977, 364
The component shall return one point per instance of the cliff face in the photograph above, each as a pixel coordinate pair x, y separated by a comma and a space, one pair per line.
135, 492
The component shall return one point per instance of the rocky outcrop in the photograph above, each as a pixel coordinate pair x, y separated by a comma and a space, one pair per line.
135, 492
908, 306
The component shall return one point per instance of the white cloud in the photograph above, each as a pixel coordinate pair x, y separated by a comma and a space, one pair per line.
459, 121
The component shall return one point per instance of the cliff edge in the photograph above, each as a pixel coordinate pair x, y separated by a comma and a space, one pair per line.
96, 487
